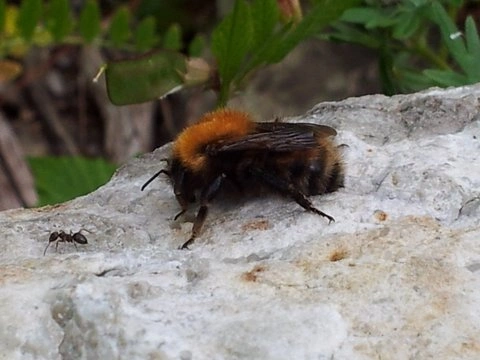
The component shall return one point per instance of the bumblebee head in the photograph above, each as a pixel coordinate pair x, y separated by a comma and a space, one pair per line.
183, 182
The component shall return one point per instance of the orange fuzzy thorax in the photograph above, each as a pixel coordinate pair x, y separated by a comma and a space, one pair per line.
216, 125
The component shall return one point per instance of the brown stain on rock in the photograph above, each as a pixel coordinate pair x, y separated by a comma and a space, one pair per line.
338, 254
252, 275
262, 224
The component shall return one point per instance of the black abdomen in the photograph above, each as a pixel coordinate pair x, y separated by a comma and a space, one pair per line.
313, 172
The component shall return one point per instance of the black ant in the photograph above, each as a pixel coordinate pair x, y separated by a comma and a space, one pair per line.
62, 236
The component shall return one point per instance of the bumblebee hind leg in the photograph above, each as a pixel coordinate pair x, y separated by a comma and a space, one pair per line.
287, 188
205, 197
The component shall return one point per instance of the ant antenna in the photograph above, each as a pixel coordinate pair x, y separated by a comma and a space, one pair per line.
45, 251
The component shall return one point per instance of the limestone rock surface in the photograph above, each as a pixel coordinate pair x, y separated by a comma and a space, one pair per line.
397, 276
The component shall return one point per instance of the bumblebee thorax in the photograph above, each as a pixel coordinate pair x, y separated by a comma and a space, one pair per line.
224, 124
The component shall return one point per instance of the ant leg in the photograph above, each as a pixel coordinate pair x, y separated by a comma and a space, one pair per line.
207, 195
82, 229
288, 188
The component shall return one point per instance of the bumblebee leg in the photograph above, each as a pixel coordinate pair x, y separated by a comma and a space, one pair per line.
197, 226
179, 214
288, 188
206, 196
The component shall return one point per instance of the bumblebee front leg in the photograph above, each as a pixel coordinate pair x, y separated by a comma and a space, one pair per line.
285, 187
205, 197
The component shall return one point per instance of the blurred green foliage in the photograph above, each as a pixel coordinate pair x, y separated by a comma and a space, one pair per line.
58, 179
418, 42
250, 37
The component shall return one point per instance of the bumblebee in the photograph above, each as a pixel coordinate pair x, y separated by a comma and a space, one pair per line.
296, 160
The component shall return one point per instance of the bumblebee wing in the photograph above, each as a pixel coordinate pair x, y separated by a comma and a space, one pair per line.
319, 130
277, 137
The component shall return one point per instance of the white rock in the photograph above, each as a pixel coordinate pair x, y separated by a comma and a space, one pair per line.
397, 276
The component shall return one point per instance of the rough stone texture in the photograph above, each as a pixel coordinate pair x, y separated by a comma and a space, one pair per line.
397, 276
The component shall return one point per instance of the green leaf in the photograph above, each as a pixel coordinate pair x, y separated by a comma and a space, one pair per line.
173, 38
119, 31
449, 30
369, 17
352, 34
473, 46
2, 15
59, 20
406, 25
89, 23
413, 80
197, 46
28, 18
145, 36
144, 79
231, 41
465, 52
419, 3
59, 179
265, 15
319, 16
446, 77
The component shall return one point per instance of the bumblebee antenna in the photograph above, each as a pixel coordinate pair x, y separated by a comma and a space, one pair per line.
163, 171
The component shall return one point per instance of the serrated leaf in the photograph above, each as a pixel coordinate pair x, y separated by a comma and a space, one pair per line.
89, 23
144, 79
59, 179
231, 41
59, 19
145, 35
196, 46
28, 17
119, 31
172, 39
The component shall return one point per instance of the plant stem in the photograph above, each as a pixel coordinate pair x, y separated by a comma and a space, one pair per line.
425, 52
